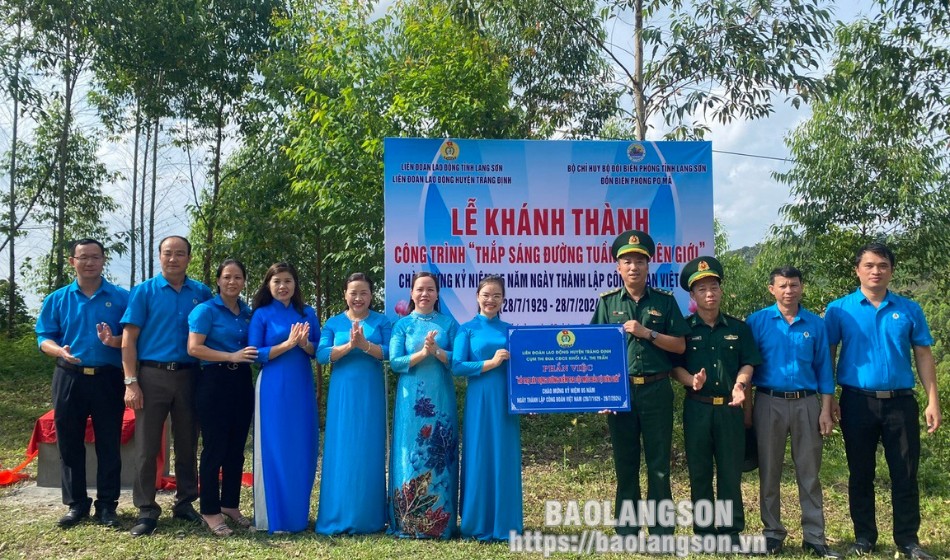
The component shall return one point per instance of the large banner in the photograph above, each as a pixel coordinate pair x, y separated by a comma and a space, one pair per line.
542, 214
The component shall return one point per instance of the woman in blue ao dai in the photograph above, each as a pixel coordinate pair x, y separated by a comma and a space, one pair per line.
353, 478
490, 500
423, 476
285, 332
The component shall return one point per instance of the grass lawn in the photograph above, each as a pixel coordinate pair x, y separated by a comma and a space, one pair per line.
566, 457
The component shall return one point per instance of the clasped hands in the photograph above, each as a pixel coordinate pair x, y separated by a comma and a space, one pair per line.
299, 334
430, 347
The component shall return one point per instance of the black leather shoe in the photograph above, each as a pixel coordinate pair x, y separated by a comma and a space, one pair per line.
73, 517
820, 550
914, 552
107, 517
861, 547
189, 516
144, 526
773, 546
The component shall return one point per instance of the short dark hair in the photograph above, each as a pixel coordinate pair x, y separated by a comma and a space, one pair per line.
786, 271
878, 249
224, 264
85, 241
415, 278
358, 277
164, 239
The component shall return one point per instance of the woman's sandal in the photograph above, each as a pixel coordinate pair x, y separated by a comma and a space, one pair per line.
217, 528
221, 530
242, 521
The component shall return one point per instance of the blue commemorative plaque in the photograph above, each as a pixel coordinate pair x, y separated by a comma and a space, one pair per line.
573, 368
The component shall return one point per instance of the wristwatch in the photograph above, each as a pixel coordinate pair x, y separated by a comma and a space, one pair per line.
130, 380
742, 384
653, 335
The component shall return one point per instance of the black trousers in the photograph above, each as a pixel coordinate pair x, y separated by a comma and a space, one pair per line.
225, 401
895, 423
76, 397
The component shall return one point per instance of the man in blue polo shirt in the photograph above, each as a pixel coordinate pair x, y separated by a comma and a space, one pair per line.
76, 326
879, 331
160, 379
796, 364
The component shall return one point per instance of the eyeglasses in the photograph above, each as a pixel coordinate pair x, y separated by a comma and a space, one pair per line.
492, 297
84, 259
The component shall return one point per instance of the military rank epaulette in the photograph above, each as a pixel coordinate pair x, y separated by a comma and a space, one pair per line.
662, 291
610, 292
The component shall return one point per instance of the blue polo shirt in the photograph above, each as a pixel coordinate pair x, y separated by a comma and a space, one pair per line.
68, 317
162, 314
876, 343
795, 356
224, 331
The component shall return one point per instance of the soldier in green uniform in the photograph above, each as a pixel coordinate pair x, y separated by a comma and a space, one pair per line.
716, 370
655, 327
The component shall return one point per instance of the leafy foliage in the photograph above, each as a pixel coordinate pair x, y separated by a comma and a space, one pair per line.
560, 82
23, 321
865, 169
720, 60
84, 201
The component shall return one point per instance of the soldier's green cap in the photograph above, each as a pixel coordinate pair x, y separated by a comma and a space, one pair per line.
698, 268
633, 241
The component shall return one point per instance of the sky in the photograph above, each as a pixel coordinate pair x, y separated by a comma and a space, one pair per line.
746, 197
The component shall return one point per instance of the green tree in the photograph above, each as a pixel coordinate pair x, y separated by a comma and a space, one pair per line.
904, 54
64, 50
22, 320
16, 84
265, 218
76, 212
698, 61
141, 52
866, 168
232, 37
560, 79
415, 71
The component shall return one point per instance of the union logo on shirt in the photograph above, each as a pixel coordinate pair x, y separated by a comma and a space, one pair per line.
896, 316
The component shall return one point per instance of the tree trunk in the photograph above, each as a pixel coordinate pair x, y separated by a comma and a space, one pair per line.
143, 250
59, 238
135, 180
212, 207
639, 100
151, 212
11, 304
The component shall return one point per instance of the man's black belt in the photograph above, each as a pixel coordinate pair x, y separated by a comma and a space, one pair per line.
229, 365
644, 379
170, 366
800, 394
715, 401
85, 370
880, 394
